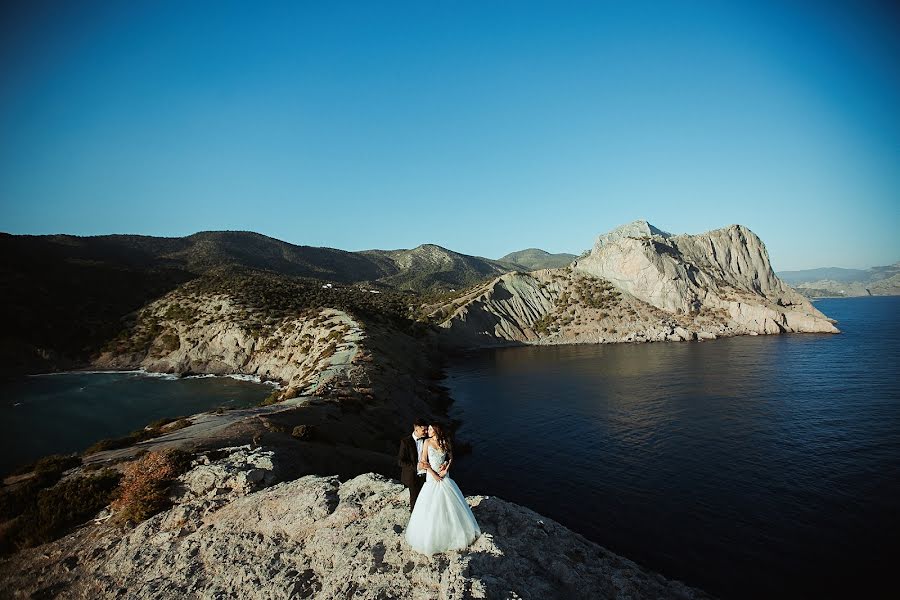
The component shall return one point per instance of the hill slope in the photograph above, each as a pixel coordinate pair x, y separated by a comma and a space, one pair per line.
431, 267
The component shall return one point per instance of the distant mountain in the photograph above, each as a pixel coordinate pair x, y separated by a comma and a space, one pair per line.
832, 273
431, 267
533, 259
834, 281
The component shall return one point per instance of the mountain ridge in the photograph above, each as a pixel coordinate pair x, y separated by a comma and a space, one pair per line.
838, 282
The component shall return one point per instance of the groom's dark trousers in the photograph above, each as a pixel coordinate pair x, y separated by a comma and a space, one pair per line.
408, 459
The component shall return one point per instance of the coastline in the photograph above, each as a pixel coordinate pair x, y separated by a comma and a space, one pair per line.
345, 425
252, 378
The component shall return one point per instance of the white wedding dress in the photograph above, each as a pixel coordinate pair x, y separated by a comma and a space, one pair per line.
441, 520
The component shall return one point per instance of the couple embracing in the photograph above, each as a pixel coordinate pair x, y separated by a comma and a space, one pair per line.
441, 520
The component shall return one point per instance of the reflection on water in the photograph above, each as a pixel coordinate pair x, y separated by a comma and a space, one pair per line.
746, 466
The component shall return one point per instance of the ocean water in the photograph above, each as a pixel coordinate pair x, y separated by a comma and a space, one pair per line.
751, 467
67, 412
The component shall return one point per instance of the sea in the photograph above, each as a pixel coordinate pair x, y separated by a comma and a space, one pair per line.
750, 467
59, 413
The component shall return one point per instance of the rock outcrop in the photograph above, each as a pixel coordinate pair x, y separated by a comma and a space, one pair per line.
196, 333
635, 229
727, 268
318, 537
637, 284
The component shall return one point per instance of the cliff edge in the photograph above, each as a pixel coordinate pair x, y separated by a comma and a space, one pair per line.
229, 535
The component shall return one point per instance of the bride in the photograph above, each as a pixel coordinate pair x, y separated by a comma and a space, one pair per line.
441, 520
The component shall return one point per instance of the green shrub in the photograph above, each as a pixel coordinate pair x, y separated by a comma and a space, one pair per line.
335, 335
328, 351
57, 509
542, 326
54, 463
177, 312
170, 342
273, 398
114, 443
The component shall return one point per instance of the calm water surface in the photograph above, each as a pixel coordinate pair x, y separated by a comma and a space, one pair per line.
67, 412
750, 467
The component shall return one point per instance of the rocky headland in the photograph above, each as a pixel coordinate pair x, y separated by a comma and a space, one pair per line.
638, 283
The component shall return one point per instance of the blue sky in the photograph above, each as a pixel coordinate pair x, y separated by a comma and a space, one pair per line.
485, 127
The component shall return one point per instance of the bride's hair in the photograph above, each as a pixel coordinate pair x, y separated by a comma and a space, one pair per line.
441, 437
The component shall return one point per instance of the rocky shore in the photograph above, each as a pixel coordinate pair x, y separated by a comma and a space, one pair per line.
233, 532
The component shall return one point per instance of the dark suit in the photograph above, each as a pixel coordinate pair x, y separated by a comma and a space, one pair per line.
408, 459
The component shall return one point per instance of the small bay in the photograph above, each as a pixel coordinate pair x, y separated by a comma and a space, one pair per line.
67, 412
750, 467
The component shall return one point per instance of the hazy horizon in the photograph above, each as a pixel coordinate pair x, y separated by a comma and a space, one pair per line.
482, 127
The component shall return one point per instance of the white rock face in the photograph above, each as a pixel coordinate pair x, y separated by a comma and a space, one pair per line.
727, 269
638, 284
243, 471
303, 353
502, 310
318, 537
635, 229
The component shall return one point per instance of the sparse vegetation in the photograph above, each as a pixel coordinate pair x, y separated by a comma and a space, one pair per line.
170, 342
335, 335
143, 490
273, 398
596, 293
328, 351
54, 464
177, 312
543, 325
42, 515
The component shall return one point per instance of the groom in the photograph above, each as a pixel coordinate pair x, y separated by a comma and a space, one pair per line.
410, 450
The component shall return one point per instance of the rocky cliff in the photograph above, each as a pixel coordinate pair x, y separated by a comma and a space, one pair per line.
231, 533
637, 284
198, 333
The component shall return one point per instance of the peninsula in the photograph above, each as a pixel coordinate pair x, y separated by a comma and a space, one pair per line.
295, 497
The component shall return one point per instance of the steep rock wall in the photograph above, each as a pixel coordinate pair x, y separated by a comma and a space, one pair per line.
727, 268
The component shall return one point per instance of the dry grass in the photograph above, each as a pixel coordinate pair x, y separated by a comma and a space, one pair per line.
143, 491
